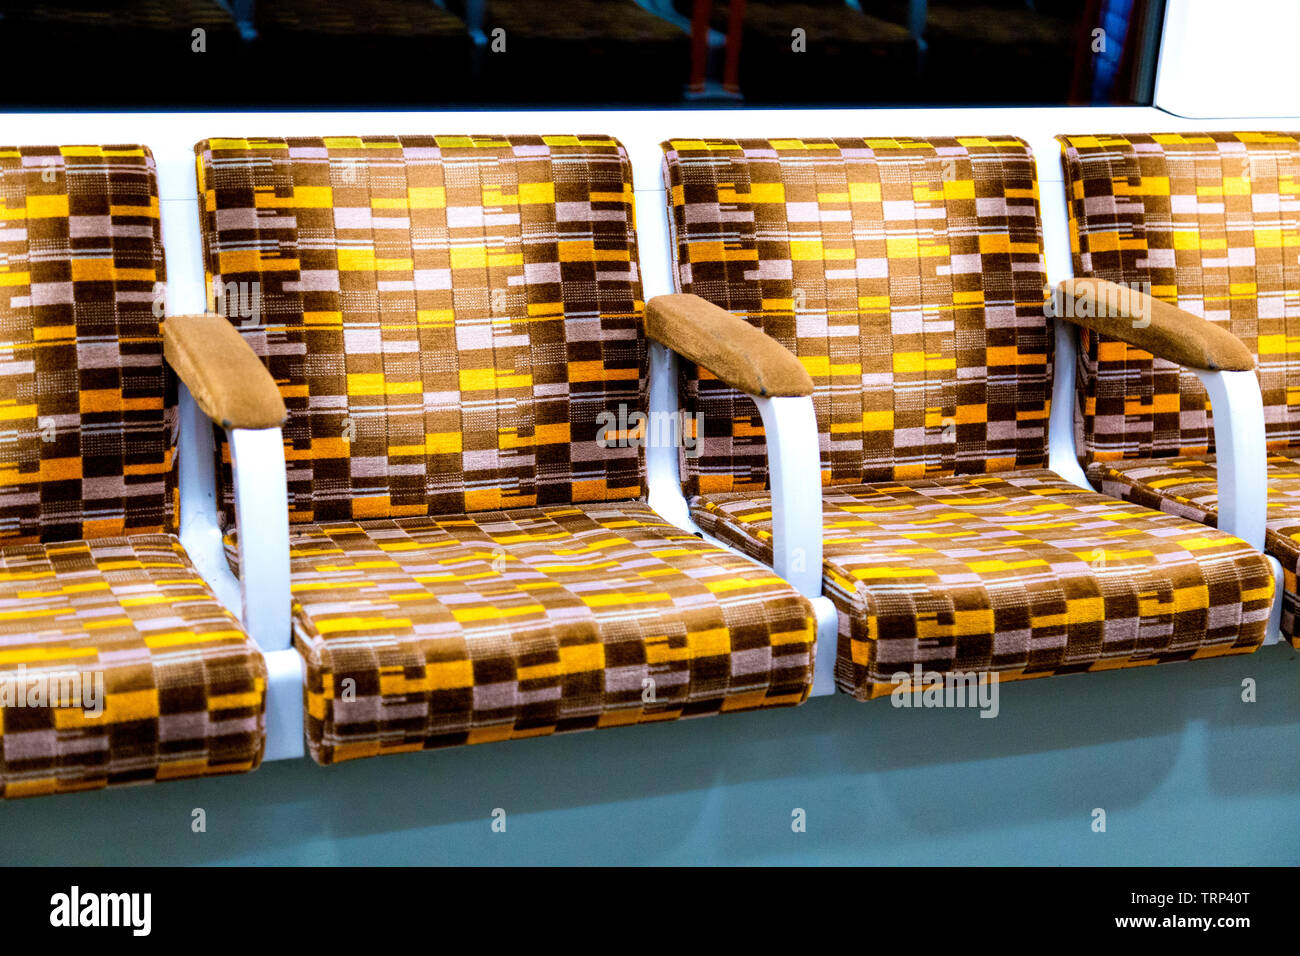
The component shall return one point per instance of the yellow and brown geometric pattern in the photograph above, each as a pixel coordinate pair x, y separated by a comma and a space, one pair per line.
449, 319
914, 295
1210, 221
458, 629
906, 274
1020, 573
118, 666
87, 414
1190, 487
447, 316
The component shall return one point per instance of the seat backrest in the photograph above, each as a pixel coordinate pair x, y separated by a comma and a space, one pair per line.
906, 274
87, 447
450, 319
1209, 222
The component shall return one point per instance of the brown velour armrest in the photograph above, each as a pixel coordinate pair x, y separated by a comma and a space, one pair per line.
729, 347
225, 376
1164, 330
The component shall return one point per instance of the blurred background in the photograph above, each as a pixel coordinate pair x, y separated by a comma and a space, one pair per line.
587, 53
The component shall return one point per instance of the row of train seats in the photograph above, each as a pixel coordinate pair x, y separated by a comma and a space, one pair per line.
452, 333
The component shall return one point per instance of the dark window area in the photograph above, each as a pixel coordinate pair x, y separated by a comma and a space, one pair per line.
587, 53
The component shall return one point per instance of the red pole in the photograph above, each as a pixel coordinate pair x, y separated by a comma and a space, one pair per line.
735, 29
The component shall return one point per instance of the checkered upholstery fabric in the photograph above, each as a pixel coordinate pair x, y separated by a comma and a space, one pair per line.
1211, 223
447, 316
1189, 486
458, 629
914, 295
87, 415
451, 320
117, 663
1020, 573
906, 274
117, 666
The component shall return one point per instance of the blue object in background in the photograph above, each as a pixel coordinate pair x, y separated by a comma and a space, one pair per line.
1115, 16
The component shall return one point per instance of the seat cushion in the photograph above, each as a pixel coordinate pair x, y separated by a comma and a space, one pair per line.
1020, 573
1188, 486
118, 665
433, 631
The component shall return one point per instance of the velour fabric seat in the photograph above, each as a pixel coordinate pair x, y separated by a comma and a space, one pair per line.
117, 663
462, 629
1001, 572
907, 276
455, 326
1206, 221
1189, 486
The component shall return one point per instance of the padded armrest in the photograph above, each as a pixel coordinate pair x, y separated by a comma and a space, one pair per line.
227, 379
1164, 330
728, 346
